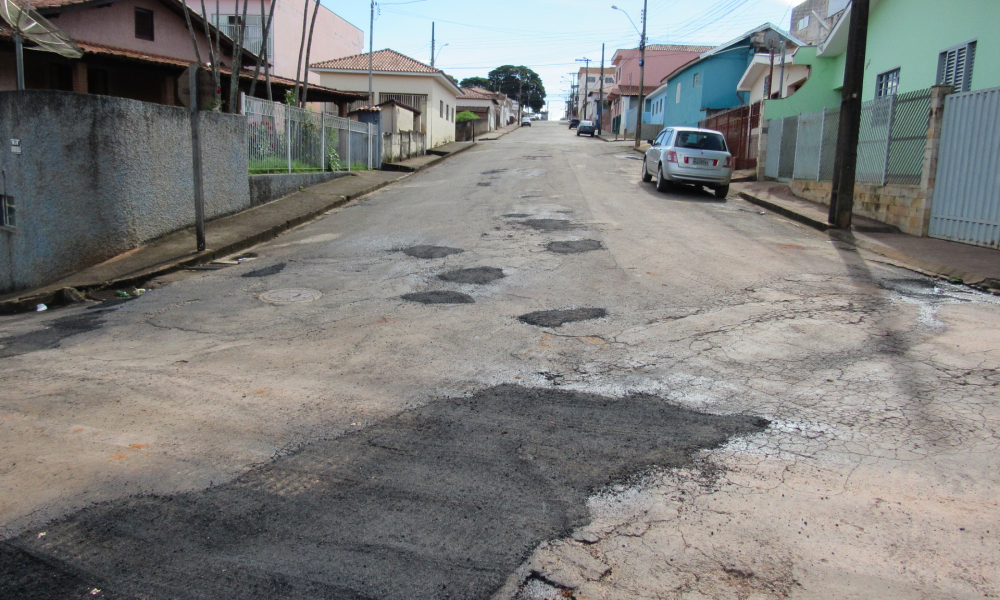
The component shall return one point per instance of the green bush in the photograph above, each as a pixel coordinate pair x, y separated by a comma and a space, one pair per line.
465, 115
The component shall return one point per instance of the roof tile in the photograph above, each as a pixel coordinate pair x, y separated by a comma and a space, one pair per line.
383, 61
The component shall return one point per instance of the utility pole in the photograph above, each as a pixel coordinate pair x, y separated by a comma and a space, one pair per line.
642, 74
432, 43
371, 47
600, 95
583, 113
846, 159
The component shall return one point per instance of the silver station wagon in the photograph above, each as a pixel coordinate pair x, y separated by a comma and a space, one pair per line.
689, 155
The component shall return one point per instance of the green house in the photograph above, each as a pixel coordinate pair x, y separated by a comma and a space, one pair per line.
912, 45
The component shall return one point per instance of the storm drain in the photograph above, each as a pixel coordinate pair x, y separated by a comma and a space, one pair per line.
439, 297
550, 224
266, 271
574, 246
556, 318
479, 275
291, 295
431, 251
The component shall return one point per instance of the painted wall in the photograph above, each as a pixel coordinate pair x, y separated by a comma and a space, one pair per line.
333, 37
440, 123
100, 175
820, 92
794, 74
910, 34
717, 77
114, 25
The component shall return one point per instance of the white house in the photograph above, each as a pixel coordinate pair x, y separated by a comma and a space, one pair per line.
759, 71
401, 78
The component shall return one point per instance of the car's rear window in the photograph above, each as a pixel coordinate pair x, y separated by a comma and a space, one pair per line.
698, 140
586, 123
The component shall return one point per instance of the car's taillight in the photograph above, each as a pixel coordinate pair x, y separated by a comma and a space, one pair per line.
671, 156
729, 162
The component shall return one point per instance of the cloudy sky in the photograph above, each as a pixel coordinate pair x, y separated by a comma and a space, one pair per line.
549, 35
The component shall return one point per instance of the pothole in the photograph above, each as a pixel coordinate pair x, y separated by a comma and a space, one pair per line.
484, 184
291, 295
550, 224
431, 251
439, 297
556, 318
478, 275
266, 271
516, 215
494, 172
574, 246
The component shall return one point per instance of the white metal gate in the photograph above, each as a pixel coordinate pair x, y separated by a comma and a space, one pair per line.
966, 203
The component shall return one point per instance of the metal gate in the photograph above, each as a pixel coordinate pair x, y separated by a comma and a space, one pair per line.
966, 203
740, 127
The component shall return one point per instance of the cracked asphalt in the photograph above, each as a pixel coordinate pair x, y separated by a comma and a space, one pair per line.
718, 403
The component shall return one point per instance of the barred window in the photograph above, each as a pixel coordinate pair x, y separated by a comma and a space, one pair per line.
887, 83
7, 212
955, 66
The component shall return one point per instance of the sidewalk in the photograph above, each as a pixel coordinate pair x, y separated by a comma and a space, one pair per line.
973, 265
224, 236
498, 133
433, 156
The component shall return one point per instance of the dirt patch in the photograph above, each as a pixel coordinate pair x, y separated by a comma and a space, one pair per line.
556, 318
266, 271
480, 275
443, 501
550, 224
439, 297
430, 251
575, 246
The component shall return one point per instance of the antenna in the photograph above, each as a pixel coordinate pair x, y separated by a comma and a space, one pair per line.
29, 24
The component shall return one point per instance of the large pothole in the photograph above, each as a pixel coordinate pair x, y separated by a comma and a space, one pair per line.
574, 246
480, 275
431, 251
439, 297
556, 318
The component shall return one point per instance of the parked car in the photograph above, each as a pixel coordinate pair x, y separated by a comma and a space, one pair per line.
689, 155
526, 122
573, 123
586, 127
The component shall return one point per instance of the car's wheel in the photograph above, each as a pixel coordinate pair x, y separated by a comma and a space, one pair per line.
722, 191
577, 134
646, 177
591, 134
662, 185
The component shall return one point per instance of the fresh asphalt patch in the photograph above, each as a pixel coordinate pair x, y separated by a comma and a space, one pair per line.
550, 224
439, 297
431, 251
557, 318
574, 246
443, 501
480, 275
266, 271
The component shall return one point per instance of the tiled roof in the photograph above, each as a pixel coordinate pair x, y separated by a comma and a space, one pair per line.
43, 4
633, 90
383, 61
475, 93
678, 48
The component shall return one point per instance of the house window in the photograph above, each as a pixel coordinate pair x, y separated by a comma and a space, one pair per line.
609, 80
649, 103
441, 109
803, 22
697, 78
591, 79
678, 100
143, 24
955, 66
887, 83
97, 82
60, 77
7, 212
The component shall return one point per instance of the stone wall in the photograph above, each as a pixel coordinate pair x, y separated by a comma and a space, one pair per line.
905, 206
99, 176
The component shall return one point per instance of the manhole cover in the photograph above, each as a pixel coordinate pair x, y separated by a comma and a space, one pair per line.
479, 275
431, 251
574, 246
555, 318
290, 295
550, 224
439, 297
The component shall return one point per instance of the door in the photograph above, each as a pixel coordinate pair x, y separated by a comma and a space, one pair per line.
653, 154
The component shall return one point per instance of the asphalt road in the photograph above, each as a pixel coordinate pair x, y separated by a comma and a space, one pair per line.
520, 373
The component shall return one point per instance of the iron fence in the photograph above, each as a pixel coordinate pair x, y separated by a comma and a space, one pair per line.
740, 127
283, 138
891, 142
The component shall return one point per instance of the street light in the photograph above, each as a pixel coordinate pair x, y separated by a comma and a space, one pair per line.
438, 54
642, 67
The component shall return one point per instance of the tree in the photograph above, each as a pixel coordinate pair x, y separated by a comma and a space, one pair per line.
480, 82
520, 83
453, 80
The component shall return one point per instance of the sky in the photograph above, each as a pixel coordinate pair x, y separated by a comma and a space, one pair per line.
549, 35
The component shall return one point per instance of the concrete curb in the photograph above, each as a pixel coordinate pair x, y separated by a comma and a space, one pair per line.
781, 210
57, 296
398, 167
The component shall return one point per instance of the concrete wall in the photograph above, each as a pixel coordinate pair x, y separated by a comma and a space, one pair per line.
904, 206
402, 145
100, 175
272, 186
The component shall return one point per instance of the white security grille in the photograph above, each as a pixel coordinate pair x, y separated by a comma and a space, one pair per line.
253, 34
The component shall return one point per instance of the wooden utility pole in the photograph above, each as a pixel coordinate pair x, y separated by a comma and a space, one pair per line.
846, 159
642, 75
